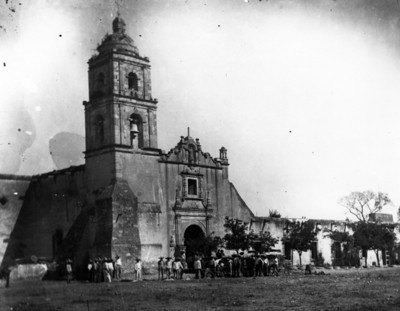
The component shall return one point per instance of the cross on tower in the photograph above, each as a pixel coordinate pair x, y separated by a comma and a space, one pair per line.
118, 5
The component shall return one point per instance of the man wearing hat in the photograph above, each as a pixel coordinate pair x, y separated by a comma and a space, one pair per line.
179, 268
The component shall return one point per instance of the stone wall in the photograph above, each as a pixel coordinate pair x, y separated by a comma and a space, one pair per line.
50, 207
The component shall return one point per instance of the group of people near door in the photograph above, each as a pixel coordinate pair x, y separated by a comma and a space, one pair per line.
219, 265
236, 266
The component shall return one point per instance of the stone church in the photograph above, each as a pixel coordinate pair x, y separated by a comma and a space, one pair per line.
129, 198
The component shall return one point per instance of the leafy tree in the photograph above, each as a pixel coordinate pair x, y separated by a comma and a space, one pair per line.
300, 236
237, 236
273, 213
373, 236
350, 255
361, 204
206, 244
211, 244
262, 242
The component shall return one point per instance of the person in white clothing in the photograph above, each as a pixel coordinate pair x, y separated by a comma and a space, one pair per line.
179, 268
138, 269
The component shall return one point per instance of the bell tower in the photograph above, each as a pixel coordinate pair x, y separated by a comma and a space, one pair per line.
121, 114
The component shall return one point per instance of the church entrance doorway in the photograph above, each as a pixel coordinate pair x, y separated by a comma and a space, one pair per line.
194, 237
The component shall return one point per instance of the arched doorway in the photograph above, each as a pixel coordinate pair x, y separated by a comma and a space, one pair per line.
194, 236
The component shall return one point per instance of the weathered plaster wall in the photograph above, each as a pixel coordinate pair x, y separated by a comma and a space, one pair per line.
142, 172
51, 205
100, 171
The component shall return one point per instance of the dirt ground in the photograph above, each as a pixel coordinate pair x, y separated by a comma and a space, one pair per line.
366, 289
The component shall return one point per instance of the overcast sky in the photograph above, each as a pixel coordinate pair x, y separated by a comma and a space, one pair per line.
304, 94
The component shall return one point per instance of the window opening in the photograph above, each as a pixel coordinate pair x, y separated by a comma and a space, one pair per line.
364, 252
192, 186
133, 81
314, 252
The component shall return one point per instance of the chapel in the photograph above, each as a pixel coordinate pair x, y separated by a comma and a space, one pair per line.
130, 198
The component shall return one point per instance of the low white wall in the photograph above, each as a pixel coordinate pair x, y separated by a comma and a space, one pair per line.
28, 271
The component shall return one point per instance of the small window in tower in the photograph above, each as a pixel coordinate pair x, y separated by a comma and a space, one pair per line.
192, 186
133, 81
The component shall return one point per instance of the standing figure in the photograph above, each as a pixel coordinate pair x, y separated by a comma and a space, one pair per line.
250, 265
97, 270
118, 267
106, 271
90, 270
236, 265
110, 266
161, 268
287, 266
138, 269
230, 262
169, 267
273, 266
258, 266
185, 267
219, 268
212, 266
69, 270
266, 266
174, 268
197, 268
179, 268
6, 274
244, 266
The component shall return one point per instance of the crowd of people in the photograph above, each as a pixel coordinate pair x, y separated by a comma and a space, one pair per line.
170, 268
215, 266
108, 269
219, 265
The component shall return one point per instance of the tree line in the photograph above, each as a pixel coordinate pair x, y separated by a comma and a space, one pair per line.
300, 235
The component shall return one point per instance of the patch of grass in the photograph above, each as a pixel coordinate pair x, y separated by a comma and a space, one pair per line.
367, 290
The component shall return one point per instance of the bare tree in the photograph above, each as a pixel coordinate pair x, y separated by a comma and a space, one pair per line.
361, 204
